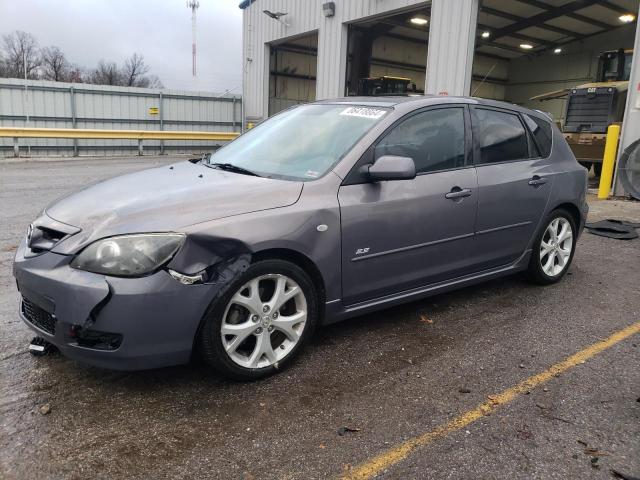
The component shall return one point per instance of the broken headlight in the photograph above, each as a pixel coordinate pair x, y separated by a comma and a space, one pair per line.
129, 255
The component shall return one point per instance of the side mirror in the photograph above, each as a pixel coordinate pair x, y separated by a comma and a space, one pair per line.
392, 167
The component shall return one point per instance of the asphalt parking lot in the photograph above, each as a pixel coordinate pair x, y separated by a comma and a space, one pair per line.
362, 390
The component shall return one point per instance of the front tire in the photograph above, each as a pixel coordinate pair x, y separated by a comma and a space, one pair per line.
553, 248
261, 322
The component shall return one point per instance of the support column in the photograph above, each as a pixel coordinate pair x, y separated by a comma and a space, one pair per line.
452, 38
233, 115
74, 120
631, 121
332, 59
161, 107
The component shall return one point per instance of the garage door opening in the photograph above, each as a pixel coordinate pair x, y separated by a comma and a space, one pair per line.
568, 59
292, 72
388, 55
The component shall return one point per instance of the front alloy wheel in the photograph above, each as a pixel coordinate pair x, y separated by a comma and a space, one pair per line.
264, 321
261, 321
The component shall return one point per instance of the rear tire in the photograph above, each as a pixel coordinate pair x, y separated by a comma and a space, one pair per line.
586, 165
553, 248
261, 322
597, 169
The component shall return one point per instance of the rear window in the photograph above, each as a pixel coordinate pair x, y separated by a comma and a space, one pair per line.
541, 129
501, 136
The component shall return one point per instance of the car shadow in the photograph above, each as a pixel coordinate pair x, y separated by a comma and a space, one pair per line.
332, 344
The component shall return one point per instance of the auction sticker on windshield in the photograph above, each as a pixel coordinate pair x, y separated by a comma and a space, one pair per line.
364, 112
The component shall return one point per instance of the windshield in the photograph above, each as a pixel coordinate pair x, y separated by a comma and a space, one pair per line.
303, 143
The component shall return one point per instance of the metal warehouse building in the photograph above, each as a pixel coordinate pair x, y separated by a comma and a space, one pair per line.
521, 51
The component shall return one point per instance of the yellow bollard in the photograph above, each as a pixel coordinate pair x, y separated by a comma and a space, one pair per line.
609, 161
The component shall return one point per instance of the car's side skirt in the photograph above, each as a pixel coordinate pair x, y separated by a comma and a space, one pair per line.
335, 311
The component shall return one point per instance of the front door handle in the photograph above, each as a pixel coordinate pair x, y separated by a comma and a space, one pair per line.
457, 192
536, 181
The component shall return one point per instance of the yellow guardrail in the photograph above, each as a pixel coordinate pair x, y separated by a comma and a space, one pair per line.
85, 133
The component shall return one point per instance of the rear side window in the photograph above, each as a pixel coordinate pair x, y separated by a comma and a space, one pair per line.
500, 135
434, 139
542, 131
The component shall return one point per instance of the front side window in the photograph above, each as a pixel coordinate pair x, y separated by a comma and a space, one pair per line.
500, 136
434, 139
541, 129
303, 143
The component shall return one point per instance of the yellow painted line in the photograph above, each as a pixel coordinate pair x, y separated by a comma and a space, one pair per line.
398, 453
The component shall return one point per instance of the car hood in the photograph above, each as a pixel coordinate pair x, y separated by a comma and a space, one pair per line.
167, 198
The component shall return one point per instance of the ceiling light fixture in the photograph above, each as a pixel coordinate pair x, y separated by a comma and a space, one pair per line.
419, 20
557, 50
627, 18
485, 35
526, 46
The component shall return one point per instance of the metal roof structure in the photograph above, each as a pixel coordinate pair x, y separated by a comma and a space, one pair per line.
544, 24
547, 24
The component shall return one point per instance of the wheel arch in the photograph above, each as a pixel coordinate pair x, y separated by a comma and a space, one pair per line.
302, 261
292, 256
572, 209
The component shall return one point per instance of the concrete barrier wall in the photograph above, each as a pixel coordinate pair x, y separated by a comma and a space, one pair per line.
77, 105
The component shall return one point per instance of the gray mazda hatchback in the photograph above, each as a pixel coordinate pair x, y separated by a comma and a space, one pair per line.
323, 212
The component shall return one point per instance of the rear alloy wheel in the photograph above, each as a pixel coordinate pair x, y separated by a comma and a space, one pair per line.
267, 316
553, 249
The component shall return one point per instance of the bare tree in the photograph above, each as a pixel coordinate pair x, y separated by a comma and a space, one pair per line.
77, 74
55, 65
21, 53
134, 71
106, 73
19, 50
152, 81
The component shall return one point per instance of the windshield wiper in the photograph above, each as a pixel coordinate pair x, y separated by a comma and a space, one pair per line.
229, 167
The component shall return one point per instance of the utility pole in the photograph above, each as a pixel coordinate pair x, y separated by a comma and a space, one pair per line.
193, 5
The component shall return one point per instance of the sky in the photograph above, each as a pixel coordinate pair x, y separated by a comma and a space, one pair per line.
91, 30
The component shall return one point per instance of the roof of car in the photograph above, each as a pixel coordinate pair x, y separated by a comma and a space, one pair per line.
382, 101
427, 100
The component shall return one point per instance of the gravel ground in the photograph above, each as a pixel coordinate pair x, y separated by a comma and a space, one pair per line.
391, 375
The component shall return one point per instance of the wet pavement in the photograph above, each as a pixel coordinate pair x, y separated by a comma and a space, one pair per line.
391, 376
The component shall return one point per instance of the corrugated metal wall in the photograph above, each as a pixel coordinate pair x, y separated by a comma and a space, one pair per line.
304, 16
631, 122
495, 73
68, 105
452, 36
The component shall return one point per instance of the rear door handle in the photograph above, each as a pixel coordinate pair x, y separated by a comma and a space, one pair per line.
536, 181
457, 192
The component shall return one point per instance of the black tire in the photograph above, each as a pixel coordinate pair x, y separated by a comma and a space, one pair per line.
586, 165
597, 169
535, 271
209, 342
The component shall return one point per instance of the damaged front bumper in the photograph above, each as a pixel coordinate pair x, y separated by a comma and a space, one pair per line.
117, 323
